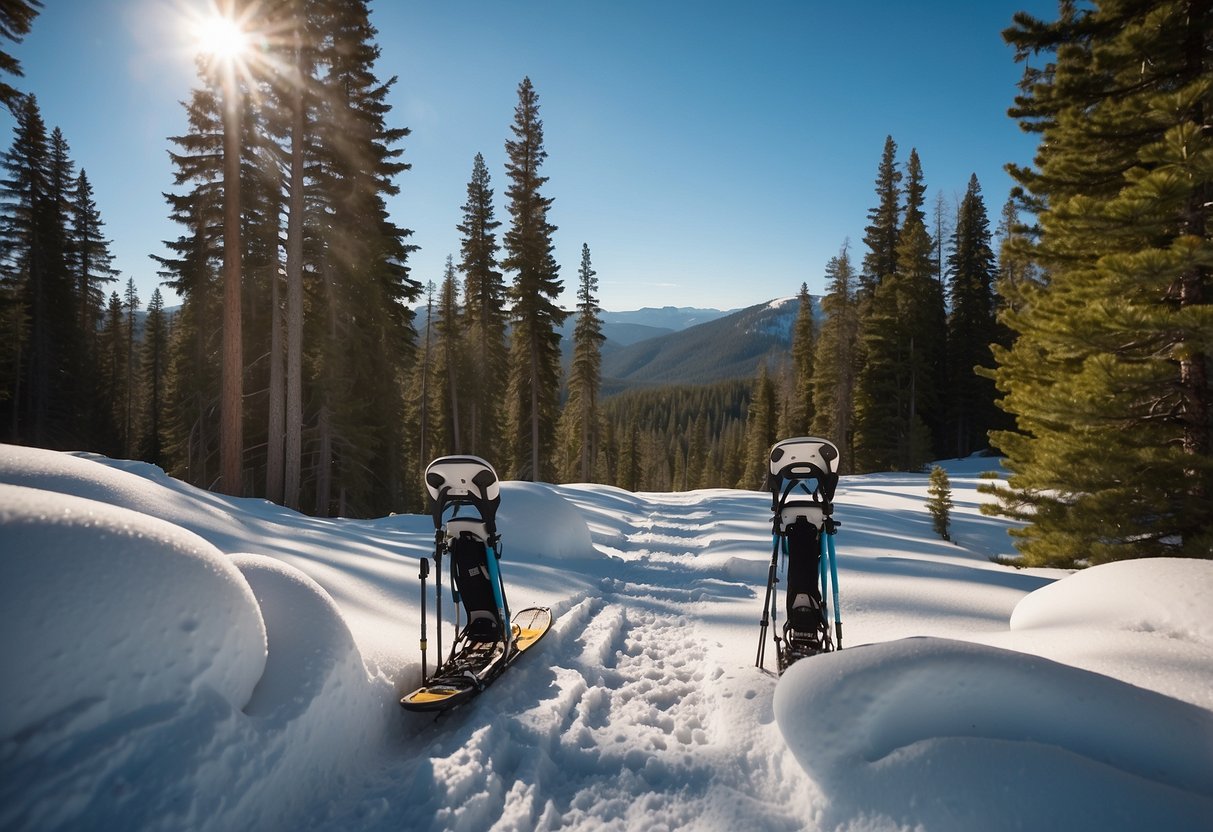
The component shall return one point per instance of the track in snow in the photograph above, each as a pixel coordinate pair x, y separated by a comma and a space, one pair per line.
626, 716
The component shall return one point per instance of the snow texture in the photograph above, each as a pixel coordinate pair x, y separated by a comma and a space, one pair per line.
175, 659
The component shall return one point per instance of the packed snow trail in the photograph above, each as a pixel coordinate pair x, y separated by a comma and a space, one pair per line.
260, 655
627, 716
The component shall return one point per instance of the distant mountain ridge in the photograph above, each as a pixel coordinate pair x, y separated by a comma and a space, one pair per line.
729, 346
686, 345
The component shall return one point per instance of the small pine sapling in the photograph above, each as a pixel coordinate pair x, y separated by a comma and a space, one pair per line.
940, 502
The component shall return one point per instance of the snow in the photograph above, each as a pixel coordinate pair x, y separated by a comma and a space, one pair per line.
175, 659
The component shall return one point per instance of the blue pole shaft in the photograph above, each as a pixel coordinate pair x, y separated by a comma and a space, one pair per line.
498, 595
834, 578
822, 565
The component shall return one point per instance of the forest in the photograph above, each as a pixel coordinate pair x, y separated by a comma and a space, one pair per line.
308, 366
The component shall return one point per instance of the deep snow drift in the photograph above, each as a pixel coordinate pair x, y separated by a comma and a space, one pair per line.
181, 660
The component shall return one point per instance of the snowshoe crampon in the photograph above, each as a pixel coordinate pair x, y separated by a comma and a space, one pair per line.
476, 664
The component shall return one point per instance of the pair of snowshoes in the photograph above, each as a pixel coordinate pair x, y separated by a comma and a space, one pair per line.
802, 477
488, 638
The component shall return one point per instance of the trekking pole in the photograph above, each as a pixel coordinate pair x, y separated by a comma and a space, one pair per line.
498, 587
439, 544
766, 604
832, 526
425, 572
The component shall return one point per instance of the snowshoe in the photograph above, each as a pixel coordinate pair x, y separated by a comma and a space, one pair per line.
490, 639
802, 478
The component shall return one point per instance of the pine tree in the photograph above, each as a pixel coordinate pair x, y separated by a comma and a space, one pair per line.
485, 313
581, 417
971, 326
902, 331
1109, 377
880, 235
130, 369
939, 502
449, 369
154, 360
836, 362
114, 376
760, 431
47, 352
90, 259
804, 343
535, 350
364, 344
16, 19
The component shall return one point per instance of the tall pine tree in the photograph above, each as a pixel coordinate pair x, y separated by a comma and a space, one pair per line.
804, 344
884, 220
16, 18
971, 327
581, 418
836, 362
1109, 377
534, 389
484, 298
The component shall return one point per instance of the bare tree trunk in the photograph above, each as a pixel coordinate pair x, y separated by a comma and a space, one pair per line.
231, 417
324, 466
277, 416
534, 408
294, 296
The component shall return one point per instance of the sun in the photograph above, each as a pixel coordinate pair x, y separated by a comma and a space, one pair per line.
222, 38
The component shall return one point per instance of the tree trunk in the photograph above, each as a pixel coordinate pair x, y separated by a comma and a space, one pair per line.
274, 432
231, 427
294, 298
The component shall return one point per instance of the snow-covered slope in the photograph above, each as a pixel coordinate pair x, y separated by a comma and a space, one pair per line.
181, 660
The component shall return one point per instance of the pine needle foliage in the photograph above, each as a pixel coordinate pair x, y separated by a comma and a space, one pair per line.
1109, 376
939, 502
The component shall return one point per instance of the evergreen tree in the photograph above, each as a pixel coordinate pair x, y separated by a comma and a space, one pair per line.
804, 343
581, 416
902, 332
836, 362
16, 19
364, 343
114, 376
534, 388
47, 345
90, 260
1109, 377
880, 235
449, 370
760, 431
939, 502
485, 315
421, 405
971, 326
154, 360
313, 138
130, 369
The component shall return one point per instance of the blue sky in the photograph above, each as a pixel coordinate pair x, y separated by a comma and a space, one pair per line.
711, 154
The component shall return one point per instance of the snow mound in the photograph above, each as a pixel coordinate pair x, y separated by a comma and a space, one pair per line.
106, 611
954, 735
312, 654
315, 693
536, 522
84, 477
1172, 596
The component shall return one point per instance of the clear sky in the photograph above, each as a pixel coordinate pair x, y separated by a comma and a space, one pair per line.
711, 154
